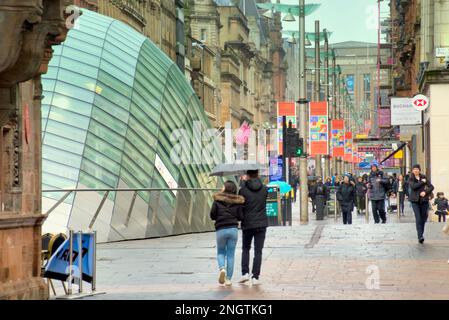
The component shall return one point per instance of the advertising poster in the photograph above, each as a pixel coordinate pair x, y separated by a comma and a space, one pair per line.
348, 147
338, 138
318, 128
287, 109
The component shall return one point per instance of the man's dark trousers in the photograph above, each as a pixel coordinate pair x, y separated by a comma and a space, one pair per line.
259, 238
421, 215
379, 211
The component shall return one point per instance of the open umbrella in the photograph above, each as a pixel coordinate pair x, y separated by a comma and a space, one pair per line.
233, 169
283, 186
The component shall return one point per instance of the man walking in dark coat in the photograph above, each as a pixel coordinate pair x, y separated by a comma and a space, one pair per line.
420, 193
346, 195
254, 224
378, 186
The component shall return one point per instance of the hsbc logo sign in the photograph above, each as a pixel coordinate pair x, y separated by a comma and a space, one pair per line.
420, 102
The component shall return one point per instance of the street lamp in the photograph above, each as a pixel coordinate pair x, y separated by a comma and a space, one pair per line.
308, 43
289, 17
292, 39
269, 14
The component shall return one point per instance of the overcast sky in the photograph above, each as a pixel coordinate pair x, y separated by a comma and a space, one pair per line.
349, 20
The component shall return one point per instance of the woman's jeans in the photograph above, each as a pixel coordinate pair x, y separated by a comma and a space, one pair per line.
421, 214
401, 201
226, 243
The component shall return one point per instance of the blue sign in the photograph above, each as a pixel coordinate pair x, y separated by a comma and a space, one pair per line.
58, 265
350, 83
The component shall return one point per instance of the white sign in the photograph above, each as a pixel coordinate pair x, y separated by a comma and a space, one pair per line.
420, 102
403, 113
166, 175
441, 52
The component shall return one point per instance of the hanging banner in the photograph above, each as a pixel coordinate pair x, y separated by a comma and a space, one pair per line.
58, 265
338, 138
348, 147
287, 109
318, 128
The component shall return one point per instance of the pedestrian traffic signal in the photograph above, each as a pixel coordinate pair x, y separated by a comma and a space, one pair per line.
300, 147
294, 145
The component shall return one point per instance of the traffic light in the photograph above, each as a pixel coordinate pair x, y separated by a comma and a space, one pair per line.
294, 145
300, 147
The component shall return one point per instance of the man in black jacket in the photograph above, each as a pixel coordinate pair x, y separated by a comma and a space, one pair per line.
254, 224
419, 195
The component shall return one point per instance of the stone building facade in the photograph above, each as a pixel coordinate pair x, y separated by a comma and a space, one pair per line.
28, 30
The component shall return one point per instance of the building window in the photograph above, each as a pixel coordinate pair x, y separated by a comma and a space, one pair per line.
367, 86
203, 35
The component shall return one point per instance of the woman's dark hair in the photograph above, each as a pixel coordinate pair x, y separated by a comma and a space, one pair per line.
230, 187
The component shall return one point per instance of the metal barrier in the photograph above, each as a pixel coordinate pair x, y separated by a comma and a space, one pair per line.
154, 203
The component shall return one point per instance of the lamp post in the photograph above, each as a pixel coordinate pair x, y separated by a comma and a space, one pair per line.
327, 168
334, 102
304, 215
317, 87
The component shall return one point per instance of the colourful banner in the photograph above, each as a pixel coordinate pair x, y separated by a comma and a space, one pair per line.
338, 138
287, 109
318, 128
348, 147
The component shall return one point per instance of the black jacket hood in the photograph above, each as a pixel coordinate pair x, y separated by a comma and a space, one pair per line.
228, 198
254, 184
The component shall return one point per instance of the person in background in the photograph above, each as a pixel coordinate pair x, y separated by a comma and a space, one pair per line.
378, 186
321, 197
361, 191
346, 195
419, 195
226, 211
312, 194
254, 224
328, 182
400, 187
442, 205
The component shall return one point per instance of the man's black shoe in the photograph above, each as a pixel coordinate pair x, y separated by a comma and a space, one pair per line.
421, 240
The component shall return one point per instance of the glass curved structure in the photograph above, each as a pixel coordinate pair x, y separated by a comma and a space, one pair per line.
111, 101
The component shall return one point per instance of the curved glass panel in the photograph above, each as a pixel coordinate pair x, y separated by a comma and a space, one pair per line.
112, 101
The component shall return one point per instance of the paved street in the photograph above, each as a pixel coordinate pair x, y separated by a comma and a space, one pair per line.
322, 260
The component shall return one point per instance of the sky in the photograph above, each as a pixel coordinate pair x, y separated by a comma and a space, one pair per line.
348, 20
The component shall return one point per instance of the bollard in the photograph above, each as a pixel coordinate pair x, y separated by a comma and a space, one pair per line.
335, 207
80, 255
69, 288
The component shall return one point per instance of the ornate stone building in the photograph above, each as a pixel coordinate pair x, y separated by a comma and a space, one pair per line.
28, 30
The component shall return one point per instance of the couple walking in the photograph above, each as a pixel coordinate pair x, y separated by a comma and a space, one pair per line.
249, 207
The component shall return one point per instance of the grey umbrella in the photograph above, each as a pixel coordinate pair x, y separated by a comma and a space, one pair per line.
232, 169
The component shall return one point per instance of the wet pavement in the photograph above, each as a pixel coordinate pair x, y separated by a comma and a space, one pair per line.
320, 260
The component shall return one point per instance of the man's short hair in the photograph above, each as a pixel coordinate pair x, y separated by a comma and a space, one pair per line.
253, 173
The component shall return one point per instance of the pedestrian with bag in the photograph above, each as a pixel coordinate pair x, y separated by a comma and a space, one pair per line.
421, 192
346, 196
378, 185
226, 211
254, 225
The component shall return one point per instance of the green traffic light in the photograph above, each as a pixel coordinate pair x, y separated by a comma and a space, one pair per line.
299, 152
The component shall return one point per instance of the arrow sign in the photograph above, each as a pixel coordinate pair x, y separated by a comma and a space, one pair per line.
420, 102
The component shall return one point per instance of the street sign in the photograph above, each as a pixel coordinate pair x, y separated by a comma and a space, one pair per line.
403, 113
420, 102
441, 52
